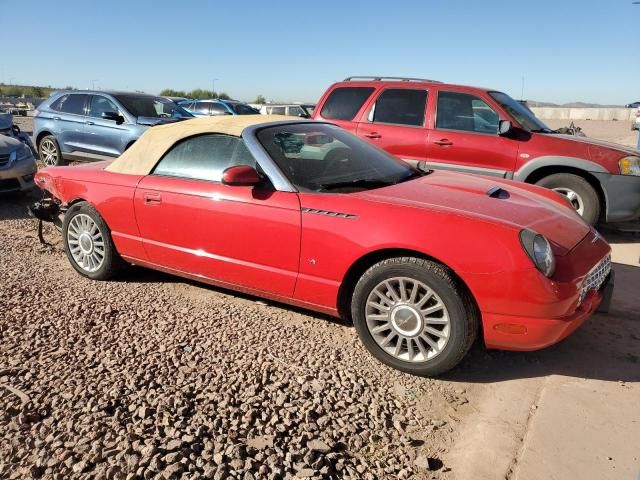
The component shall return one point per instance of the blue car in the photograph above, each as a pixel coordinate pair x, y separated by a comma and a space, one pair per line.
97, 125
204, 108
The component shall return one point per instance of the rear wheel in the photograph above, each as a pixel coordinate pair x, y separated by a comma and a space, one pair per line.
49, 152
411, 314
582, 196
88, 243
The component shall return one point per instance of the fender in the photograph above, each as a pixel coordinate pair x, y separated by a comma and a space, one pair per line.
556, 161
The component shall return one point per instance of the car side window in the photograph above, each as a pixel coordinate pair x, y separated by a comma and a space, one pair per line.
218, 109
201, 107
73, 103
57, 104
400, 106
344, 102
276, 110
100, 105
295, 111
204, 157
462, 111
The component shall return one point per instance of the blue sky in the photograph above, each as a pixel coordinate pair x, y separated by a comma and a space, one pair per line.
292, 50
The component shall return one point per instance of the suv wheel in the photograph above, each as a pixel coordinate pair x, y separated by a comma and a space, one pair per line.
411, 314
582, 196
50, 153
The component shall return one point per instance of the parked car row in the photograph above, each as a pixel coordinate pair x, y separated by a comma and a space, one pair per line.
423, 261
449, 127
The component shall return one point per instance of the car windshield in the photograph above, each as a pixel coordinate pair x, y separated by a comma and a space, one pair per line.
521, 114
323, 158
154, 107
242, 109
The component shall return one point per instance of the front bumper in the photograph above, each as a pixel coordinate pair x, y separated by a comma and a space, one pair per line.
19, 176
622, 193
506, 332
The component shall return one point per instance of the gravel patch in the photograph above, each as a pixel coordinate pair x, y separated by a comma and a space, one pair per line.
149, 376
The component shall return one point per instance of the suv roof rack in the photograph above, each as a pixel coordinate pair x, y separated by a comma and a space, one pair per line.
397, 79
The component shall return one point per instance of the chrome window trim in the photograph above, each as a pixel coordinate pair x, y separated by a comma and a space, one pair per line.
268, 166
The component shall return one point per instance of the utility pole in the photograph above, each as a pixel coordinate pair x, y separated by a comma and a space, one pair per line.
93, 83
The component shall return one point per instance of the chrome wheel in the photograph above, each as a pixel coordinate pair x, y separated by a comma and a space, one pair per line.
407, 319
86, 243
575, 199
49, 152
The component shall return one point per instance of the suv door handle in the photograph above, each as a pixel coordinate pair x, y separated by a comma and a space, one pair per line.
443, 143
90, 123
56, 118
373, 135
152, 198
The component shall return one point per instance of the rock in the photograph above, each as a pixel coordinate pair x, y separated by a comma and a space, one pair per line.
318, 446
261, 442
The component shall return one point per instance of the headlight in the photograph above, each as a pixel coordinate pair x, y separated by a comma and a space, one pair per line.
629, 165
539, 250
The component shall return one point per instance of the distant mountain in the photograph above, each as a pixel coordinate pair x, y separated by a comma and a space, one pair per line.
534, 103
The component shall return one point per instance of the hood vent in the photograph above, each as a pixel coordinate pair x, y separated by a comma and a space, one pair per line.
498, 192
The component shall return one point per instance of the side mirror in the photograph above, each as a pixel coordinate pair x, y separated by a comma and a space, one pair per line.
113, 116
240, 175
504, 127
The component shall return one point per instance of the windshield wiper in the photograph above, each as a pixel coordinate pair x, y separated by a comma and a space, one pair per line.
360, 182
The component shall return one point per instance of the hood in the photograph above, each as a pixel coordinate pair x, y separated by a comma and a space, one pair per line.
464, 194
6, 121
8, 144
151, 121
592, 142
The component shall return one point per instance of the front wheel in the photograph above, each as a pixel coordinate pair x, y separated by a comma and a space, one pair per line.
412, 315
582, 196
88, 243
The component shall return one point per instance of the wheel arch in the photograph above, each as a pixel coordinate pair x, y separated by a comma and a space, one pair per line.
544, 171
369, 259
41, 135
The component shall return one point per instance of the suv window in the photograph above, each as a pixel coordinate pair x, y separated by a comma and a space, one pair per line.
57, 104
400, 106
275, 110
218, 109
296, 111
201, 107
344, 102
204, 157
72, 103
462, 111
100, 104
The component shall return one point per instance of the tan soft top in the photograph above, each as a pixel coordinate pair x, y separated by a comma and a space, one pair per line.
143, 155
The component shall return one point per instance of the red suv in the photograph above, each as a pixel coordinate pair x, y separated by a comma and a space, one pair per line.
478, 130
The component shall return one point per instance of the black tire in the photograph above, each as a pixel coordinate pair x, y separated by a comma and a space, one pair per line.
112, 263
587, 194
463, 314
51, 144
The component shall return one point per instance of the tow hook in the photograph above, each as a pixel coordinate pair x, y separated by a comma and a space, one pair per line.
48, 209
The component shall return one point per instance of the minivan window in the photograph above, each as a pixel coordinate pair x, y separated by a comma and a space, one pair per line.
462, 111
401, 106
204, 157
73, 103
344, 102
521, 114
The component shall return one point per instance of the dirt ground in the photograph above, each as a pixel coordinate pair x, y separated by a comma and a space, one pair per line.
616, 132
151, 376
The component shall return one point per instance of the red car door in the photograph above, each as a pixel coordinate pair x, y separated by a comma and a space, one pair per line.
465, 136
191, 222
396, 122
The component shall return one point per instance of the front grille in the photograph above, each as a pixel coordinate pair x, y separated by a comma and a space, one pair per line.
4, 160
596, 277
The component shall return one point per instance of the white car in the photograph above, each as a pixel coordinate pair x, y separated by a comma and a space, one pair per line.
293, 110
635, 124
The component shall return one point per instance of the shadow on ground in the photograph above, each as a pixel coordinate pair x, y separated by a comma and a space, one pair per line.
14, 205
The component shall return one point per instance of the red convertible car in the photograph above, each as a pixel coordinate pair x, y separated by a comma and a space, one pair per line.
305, 213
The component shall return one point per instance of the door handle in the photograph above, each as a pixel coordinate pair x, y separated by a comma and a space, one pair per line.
90, 123
56, 118
443, 143
373, 135
152, 199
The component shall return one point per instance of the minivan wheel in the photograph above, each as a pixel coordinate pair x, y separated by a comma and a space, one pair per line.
582, 196
412, 315
88, 244
49, 152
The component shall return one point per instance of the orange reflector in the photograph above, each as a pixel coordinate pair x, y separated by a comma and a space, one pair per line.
510, 328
